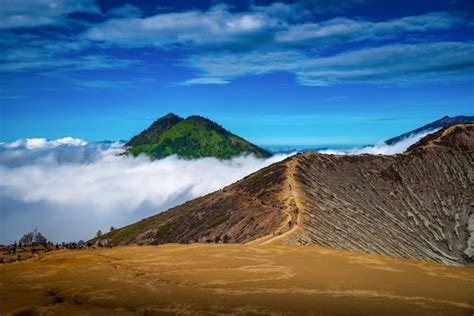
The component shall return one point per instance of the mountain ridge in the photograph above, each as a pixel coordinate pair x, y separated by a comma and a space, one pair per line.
430, 127
153, 132
413, 205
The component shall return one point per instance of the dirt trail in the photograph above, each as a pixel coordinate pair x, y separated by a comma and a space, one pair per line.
293, 209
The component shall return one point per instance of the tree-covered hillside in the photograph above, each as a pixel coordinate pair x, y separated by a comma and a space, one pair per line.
193, 137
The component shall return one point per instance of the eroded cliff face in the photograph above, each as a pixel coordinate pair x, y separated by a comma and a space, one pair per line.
415, 205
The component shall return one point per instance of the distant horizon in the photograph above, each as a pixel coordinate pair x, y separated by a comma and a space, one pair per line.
278, 147
322, 141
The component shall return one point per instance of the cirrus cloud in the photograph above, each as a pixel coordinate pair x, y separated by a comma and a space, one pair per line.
395, 63
274, 26
282, 37
222, 43
215, 26
351, 30
34, 13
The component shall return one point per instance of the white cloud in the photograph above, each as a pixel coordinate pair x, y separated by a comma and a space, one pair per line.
269, 27
204, 80
38, 54
68, 189
339, 29
392, 63
125, 11
332, 6
381, 148
33, 13
397, 63
227, 66
283, 37
43, 143
223, 44
283, 11
215, 26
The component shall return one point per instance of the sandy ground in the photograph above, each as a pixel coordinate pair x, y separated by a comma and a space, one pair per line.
234, 279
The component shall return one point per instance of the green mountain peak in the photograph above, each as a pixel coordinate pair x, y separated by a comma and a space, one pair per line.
156, 129
193, 137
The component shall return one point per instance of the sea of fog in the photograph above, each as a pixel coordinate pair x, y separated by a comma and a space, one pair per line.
69, 188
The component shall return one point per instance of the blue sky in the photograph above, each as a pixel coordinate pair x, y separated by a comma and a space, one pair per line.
312, 72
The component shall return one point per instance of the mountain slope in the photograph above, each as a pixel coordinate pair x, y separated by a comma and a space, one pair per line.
153, 133
413, 205
442, 122
193, 137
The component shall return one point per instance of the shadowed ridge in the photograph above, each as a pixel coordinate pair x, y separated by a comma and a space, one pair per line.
240, 212
155, 130
207, 123
442, 122
458, 137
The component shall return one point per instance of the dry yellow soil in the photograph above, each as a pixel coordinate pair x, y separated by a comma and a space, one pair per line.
233, 279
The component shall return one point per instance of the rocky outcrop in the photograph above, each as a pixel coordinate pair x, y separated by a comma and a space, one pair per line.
416, 205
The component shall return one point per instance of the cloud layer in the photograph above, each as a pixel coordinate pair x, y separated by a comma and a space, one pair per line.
391, 63
278, 37
260, 27
69, 189
380, 148
34, 13
221, 43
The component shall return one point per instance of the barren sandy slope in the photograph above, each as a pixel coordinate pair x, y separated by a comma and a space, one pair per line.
238, 279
